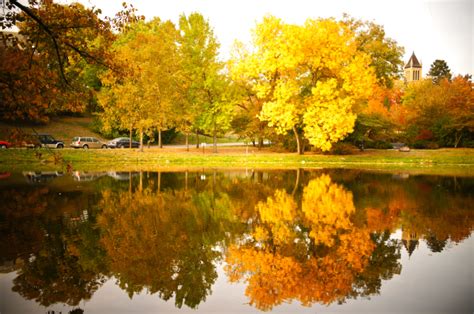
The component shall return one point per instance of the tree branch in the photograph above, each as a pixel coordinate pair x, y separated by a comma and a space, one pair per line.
47, 30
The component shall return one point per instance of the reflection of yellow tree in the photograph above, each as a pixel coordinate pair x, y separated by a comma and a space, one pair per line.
311, 255
327, 208
164, 241
278, 213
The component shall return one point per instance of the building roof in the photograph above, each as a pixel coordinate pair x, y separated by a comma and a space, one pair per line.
413, 62
410, 245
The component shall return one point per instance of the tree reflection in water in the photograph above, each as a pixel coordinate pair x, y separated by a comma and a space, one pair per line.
322, 239
312, 254
47, 272
164, 241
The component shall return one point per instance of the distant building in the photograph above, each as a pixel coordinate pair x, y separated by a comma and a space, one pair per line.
410, 240
413, 69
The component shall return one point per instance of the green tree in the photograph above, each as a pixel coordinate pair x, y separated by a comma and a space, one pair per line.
385, 53
439, 69
207, 103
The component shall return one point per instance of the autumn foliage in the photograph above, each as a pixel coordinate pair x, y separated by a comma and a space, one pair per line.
312, 254
328, 240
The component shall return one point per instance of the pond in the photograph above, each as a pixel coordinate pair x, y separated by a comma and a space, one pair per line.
242, 241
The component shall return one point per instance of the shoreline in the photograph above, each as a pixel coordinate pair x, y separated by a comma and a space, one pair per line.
459, 162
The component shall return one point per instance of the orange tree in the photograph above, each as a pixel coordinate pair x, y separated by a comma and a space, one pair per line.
46, 67
311, 253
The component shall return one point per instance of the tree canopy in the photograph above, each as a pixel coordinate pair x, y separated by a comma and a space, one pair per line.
307, 86
142, 97
44, 65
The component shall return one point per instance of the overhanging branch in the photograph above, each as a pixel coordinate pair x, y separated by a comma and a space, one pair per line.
47, 30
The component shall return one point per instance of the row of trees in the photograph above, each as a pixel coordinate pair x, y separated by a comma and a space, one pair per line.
308, 85
308, 80
431, 113
172, 78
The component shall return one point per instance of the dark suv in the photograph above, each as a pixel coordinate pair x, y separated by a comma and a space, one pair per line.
42, 140
122, 142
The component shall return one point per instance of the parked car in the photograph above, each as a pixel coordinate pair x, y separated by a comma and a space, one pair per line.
87, 176
41, 176
122, 142
5, 144
49, 141
42, 140
87, 142
122, 175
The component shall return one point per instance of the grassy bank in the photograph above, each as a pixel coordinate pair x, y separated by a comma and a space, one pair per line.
443, 161
65, 128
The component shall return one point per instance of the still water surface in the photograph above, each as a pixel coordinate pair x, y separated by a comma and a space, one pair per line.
296, 241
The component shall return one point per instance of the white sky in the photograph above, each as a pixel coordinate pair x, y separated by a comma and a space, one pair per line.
441, 29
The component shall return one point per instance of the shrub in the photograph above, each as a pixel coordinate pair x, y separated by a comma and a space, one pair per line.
467, 144
343, 149
382, 145
377, 144
424, 135
421, 144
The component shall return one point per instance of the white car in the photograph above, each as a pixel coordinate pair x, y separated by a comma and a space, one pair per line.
87, 142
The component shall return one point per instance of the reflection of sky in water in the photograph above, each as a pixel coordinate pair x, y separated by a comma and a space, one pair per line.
429, 282
446, 277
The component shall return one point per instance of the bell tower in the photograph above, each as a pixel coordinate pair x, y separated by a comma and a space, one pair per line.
413, 69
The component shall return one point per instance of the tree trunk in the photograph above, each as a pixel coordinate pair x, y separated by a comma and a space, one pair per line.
260, 143
159, 182
197, 139
160, 142
130, 144
298, 141
457, 138
297, 181
140, 187
141, 140
214, 138
186, 180
187, 141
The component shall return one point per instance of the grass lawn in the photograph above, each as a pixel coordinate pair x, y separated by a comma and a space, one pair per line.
64, 128
442, 161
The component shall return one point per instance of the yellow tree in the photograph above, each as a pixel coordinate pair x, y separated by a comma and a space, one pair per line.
142, 96
248, 105
311, 78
